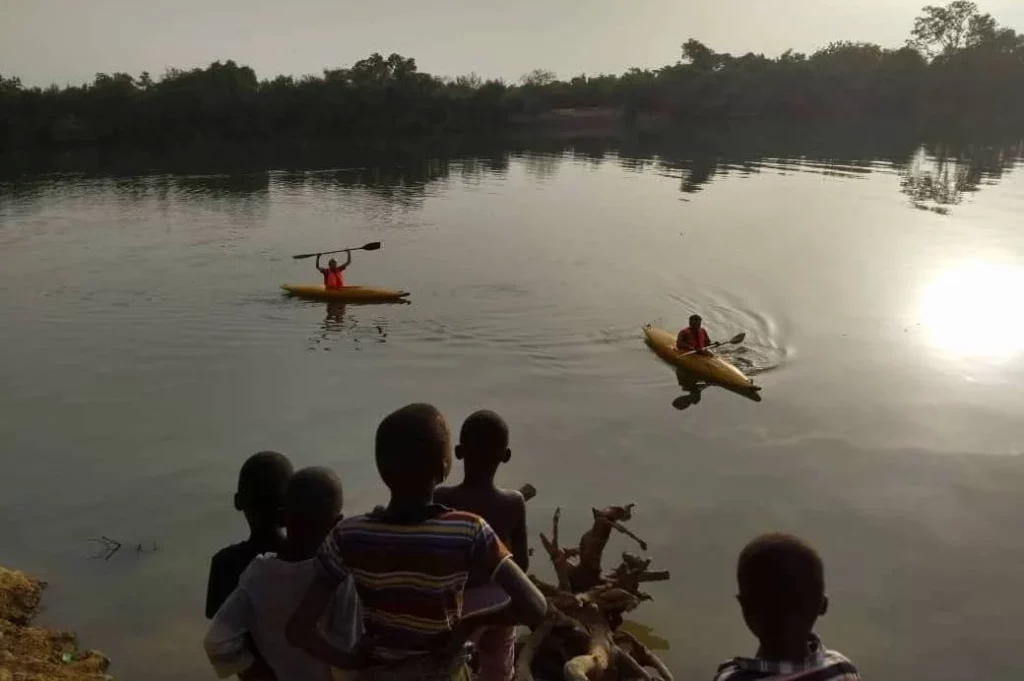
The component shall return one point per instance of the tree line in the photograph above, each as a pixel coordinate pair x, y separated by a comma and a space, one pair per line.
958, 64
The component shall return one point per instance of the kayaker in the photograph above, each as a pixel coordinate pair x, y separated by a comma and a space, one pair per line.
693, 337
333, 277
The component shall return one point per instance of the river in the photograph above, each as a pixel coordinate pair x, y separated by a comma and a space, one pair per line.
145, 351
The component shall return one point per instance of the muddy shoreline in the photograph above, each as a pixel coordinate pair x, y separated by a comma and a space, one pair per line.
31, 653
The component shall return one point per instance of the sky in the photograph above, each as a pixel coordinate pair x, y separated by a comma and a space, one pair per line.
69, 41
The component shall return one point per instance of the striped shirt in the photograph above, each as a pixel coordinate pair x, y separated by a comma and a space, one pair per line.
411, 576
821, 664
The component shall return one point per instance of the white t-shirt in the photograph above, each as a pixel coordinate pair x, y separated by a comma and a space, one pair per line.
268, 593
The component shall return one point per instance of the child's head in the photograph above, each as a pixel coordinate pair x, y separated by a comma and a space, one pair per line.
782, 589
483, 442
312, 506
413, 450
261, 486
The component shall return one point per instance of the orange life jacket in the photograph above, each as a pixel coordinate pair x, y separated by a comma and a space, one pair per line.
333, 279
699, 343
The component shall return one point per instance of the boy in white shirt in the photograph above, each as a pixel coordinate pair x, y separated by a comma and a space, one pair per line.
273, 585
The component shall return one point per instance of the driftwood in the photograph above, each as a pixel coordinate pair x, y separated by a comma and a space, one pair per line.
579, 640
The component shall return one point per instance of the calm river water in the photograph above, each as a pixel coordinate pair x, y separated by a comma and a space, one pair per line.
145, 351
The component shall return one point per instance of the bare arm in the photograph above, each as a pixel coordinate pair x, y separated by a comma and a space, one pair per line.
528, 605
348, 261
517, 538
216, 590
303, 632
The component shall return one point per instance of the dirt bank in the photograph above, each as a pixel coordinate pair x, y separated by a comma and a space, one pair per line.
29, 653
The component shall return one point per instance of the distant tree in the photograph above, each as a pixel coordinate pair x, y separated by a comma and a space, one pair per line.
539, 78
470, 81
700, 56
943, 30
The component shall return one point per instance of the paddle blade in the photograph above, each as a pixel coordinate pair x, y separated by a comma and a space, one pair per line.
302, 256
738, 338
372, 246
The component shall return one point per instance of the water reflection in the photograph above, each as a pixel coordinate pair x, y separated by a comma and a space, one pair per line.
935, 175
693, 387
335, 318
938, 176
339, 323
972, 310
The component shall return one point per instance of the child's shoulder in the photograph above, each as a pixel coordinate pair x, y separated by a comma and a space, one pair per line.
234, 556
259, 566
834, 659
456, 516
829, 665
355, 523
513, 497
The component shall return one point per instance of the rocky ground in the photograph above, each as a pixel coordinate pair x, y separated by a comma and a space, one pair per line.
29, 653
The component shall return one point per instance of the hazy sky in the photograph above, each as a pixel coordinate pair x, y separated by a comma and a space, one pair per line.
45, 41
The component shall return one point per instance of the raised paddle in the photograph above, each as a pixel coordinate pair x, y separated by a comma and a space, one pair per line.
738, 338
372, 246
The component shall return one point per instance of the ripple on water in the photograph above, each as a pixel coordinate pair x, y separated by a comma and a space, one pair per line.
763, 349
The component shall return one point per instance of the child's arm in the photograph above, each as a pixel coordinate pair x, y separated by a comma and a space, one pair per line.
517, 539
227, 640
216, 589
528, 605
303, 628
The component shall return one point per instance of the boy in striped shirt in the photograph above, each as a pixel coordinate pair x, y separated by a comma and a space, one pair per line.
411, 561
782, 594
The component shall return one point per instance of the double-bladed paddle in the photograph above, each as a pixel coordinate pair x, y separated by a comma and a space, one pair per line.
372, 246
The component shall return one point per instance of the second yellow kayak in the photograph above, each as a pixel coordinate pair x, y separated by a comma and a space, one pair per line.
711, 368
346, 294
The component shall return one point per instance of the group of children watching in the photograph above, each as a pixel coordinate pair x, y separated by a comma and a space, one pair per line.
397, 593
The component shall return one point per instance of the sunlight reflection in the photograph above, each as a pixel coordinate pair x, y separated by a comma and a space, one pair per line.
974, 310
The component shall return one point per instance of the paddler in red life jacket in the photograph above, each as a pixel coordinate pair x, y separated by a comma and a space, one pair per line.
693, 337
333, 277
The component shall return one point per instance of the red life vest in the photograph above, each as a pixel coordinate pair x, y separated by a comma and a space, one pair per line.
686, 337
333, 278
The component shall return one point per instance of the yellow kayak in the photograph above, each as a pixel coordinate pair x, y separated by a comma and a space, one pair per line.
346, 294
711, 368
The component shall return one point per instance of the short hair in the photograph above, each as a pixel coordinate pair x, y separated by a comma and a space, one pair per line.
696, 318
314, 493
413, 444
484, 429
263, 479
780, 569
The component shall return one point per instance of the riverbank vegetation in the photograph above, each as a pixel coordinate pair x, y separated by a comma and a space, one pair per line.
958, 64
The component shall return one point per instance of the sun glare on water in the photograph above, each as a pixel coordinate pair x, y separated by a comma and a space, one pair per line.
975, 310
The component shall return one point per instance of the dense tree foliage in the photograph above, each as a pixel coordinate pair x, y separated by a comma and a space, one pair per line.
958, 64
376, 96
